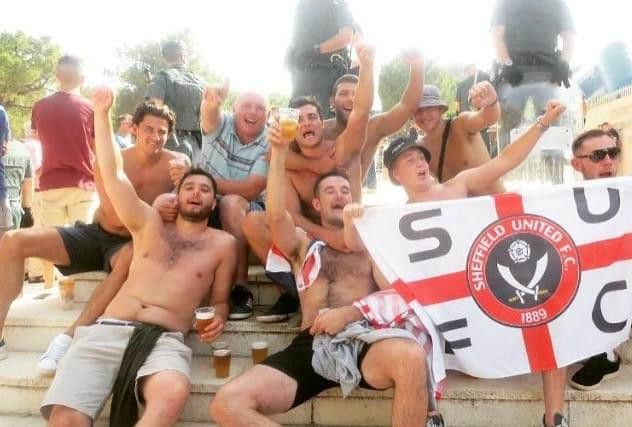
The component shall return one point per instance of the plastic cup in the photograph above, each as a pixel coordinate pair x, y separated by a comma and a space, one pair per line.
67, 292
288, 120
221, 362
259, 351
203, 317
218, 345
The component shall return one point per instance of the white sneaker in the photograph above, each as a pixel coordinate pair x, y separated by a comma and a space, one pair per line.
4, 353
56, 350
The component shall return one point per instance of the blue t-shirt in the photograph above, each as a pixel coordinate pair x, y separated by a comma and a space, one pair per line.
5, 132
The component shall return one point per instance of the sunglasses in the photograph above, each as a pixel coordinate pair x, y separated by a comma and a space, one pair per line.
598, 155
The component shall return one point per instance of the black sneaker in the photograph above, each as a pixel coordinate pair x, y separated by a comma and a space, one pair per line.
559, 420
241, 303
285, 307
435, 421
4, 353
596, 369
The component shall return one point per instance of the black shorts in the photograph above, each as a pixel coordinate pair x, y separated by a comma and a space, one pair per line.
214, 218
295, 361
89, 247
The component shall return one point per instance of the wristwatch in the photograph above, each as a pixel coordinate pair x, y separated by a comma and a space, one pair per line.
508, 63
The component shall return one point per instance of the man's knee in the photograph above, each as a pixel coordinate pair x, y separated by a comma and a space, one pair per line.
168, 394
232, 205
62, 416
253, 224
228, 400
12, 243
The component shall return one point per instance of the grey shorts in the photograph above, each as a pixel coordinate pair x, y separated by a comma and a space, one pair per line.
86, 374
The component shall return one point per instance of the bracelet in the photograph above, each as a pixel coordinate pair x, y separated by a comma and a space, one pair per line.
540, 124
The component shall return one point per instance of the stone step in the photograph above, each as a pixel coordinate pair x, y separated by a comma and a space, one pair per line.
33, 421
263, 290
467, 401
36, 318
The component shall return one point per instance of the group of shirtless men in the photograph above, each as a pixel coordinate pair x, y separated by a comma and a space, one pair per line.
313, 193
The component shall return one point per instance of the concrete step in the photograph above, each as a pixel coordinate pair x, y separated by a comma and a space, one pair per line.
33, 421
263, 290
467, 401
37, 317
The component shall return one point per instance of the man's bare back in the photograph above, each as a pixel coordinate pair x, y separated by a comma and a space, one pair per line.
150, 179
169, 275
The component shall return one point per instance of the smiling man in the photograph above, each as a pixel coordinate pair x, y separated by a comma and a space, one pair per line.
234, 149
596, 154
95, 246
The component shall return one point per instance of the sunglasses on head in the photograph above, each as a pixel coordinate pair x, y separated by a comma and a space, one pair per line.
599, 155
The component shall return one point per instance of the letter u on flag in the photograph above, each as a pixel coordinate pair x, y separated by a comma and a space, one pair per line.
513, 283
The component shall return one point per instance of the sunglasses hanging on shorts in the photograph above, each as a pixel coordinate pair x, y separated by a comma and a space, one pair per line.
598, 155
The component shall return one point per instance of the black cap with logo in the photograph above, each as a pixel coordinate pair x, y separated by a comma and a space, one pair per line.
399, 145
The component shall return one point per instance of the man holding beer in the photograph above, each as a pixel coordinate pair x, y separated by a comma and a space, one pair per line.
234, 151
287, 379
175, 265
342, 152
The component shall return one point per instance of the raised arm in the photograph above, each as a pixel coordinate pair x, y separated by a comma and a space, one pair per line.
281, 225
351, 140
484, 98
481, 177
391, 121
212, 100
132, 211
352, 238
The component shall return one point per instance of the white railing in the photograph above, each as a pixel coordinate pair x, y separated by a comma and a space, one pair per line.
624, 92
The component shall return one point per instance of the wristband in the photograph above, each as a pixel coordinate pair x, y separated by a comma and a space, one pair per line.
540, 124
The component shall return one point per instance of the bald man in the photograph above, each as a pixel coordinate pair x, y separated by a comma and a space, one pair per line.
234, 150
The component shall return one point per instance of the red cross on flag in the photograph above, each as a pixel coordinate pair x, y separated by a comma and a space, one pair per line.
513, 283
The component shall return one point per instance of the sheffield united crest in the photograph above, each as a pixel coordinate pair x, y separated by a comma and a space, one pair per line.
523, 270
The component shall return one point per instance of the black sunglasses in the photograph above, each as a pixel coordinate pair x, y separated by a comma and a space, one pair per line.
598, 155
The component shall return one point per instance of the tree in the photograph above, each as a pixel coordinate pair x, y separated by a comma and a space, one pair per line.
394, 78
138, 63
26, 73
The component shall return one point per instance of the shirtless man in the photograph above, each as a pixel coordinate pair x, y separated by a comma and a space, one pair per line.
173, 267
456, 144
341, 153
287, 379
408, 165
89, 247
380, 125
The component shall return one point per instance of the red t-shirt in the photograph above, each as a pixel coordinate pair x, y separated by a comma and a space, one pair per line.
65, 126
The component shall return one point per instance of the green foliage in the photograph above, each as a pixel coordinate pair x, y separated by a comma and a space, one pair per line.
278, 100
138, 63
394, 79
26, 73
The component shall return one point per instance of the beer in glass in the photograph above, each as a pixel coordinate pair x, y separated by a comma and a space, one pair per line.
221, 361
203, 317
259, 351
288, 121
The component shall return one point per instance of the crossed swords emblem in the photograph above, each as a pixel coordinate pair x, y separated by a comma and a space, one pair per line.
532, 288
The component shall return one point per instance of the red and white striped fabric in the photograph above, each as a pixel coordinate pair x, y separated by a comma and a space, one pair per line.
387, 309
514, 283
276, 262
